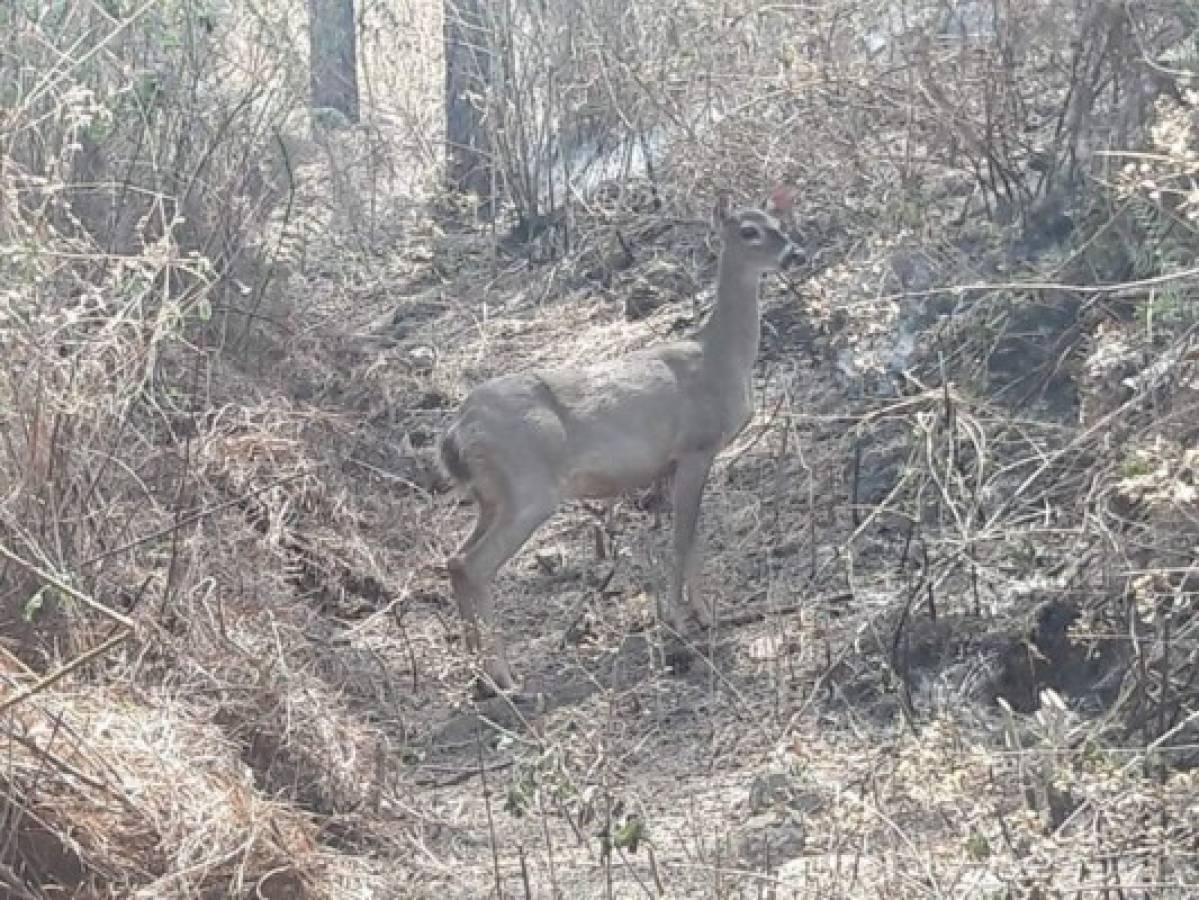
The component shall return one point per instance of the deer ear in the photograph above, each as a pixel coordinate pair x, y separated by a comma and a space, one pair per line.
780, 200
720, 212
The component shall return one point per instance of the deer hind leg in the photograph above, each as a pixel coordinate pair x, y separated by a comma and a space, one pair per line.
689, 479
516, 516
465, 592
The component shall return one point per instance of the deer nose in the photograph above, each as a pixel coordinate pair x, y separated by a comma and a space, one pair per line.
792, 256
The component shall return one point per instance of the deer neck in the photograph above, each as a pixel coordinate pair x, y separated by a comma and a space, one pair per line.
731, 334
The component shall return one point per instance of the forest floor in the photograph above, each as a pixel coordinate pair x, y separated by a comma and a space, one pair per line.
296, 718
837, 735
953, 554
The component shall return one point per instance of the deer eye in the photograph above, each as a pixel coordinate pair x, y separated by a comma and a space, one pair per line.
751, 233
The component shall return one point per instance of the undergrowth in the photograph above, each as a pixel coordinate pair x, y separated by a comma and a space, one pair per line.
955, 552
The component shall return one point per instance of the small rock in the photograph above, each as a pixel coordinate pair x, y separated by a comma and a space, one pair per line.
759, 844
581, 630
767, 647
784, 549
422, 359
913, 270
640, 302
767, 791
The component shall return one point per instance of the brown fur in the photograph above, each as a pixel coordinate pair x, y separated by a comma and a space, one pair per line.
524, 442
452, 460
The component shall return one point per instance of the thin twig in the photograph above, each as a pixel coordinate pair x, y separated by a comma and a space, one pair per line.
58, 674
61, 585
193, 517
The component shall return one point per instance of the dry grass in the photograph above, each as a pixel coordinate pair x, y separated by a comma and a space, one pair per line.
247, 477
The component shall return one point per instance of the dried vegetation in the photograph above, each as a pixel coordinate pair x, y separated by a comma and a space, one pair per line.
955, 553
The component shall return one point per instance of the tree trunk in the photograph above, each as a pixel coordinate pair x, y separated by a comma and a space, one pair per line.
467, 79
333, 59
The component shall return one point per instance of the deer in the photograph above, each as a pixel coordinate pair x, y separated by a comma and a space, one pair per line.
521, 444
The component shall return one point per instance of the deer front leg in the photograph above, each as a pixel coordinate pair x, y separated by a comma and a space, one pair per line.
690, 477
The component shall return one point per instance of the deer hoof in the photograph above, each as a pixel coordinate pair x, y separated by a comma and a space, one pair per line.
678, 657
496, 678
702, 615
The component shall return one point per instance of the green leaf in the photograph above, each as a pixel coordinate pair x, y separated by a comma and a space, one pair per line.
34, 607
147, 93
630, 835
517, 801
977, 845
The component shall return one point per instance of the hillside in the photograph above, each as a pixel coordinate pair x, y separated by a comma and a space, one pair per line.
955, 553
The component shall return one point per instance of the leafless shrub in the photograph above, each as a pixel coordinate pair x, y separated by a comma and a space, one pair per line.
999, 321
